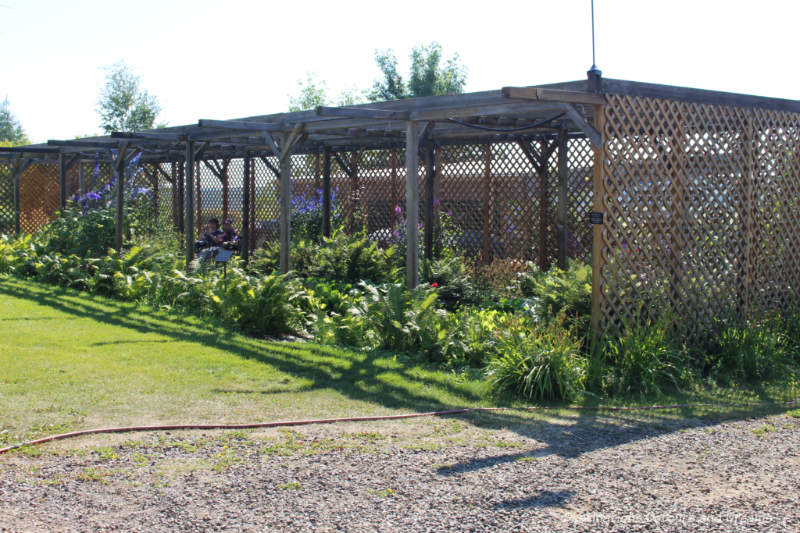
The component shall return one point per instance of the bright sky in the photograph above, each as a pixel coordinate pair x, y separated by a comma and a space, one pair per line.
235, 58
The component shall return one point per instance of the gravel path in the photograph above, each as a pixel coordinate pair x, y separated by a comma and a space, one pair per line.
578, 474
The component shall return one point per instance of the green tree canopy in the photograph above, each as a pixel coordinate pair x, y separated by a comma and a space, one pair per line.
428, 76
11, 132
314, 92
123, 105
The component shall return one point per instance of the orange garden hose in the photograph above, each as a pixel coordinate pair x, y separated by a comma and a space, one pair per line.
318, 421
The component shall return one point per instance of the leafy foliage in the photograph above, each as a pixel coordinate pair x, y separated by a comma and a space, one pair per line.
123, 105
11, 132
427, 76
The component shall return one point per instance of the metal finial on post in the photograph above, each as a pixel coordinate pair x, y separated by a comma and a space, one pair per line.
594, 74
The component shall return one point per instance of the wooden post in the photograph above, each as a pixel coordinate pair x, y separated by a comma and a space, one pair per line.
188, 205
563, 199
119, 166
430, 177
225, 188
199, 200
395, 191
251, 205
81, 179
180, 194
544, 202
285, 203
62, 181
17, 170
412, 204
155, 190
597, 229
326, 192
749, 178
244, 241
487, 185
16, 204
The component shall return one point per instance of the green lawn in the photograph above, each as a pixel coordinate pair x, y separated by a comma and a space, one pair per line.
73, 360
70, 360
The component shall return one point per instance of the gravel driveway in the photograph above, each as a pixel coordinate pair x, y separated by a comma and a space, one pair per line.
581, 473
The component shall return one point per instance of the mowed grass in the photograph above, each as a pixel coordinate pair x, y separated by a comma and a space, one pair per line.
70, 360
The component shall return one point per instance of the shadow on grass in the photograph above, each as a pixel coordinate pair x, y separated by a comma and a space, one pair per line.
378, 379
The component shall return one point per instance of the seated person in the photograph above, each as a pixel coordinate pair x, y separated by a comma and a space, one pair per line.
229, 234
213, 235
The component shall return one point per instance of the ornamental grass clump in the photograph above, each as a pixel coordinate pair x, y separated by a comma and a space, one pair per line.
538, 362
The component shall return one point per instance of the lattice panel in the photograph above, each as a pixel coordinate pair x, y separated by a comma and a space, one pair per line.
580, 167
464, 188
236, 184
38, 196
264, 207
702, 210
378, 179
7, 212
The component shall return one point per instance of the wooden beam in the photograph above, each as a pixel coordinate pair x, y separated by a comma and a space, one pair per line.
62, 181
270, 166
361, 112
563, 199
412, 204
326, 193
508, 108
170, 138
578, 119
119, 167
244, 245
430, 176
270, 141
290, 140
597, 229
188, 204
242, 125
285, 205
553, 95
344, 164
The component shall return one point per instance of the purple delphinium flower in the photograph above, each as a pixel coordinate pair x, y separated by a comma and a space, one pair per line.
398, 210
93, 196
436, 202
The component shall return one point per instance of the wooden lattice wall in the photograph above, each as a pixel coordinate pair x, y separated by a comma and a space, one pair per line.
702, 211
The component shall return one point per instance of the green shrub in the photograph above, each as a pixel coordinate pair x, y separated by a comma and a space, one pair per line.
555, 291
754, 351
399, 320
538, 362
263, 305
454, 285
644, 360
472, 336
341, 257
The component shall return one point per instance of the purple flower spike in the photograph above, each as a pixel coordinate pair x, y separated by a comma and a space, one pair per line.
449, 213
436, 202
398, 210
93, 196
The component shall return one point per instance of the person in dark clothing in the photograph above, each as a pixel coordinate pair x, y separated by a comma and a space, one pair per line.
229, 234
213, 236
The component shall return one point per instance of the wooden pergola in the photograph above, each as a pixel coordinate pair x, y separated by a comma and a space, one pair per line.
670, 168
419, 125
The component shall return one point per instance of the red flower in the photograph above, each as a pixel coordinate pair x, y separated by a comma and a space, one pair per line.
434, 284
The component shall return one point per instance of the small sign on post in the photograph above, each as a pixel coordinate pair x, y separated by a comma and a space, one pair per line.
595, 217
222, 256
